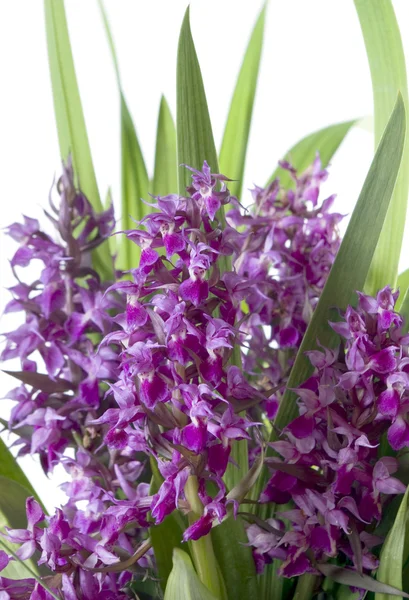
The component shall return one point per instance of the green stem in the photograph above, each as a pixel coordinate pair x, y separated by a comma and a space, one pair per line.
202, 549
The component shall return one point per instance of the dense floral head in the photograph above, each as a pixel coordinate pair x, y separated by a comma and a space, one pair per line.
330, 466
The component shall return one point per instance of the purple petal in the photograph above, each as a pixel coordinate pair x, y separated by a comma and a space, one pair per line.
195, 291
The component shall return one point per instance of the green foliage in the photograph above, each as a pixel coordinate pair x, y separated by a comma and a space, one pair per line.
13, 514
72, 133
184, 582
391, 559
388, 70
235, 559
236, 134
165, 174
358, 241
134, 176
326, 141
11, 470
195, 141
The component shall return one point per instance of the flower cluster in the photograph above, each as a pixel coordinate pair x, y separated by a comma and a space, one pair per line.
288, 245
63, 308
160, 376
330, 466
179, 392
64, 389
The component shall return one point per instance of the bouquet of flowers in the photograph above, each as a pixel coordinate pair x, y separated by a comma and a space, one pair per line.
226, 386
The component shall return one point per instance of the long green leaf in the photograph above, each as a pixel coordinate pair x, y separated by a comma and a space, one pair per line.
183, 581
403, 286
388, 71
391, 559
165, 173
236, 134
134, 176
325, 141
13, 514
235, 559
10, 469
72, 132
195, 142
357, 249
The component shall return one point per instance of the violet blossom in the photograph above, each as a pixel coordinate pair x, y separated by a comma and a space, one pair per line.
329, 465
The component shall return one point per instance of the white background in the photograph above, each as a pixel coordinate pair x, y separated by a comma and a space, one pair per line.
314, 72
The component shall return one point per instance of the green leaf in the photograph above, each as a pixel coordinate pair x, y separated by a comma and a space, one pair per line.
391, 559
13, 514
357, 249
388, 71
235, 559
183, 581
353, 578
403, 286
135, 185
325, 141
165, 174
195, 142
134, 177
236, 134
10, 469
166, 536
113, 239
72, 133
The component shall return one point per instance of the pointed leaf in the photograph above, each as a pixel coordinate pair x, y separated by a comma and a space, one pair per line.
13, 514
135, 186
403, 286
134, 177
236, 134
183, 581
392, 559
194, 131
235, 559
10, 469
165, 174
40, 381
365, 582
325, 141
72, 133
357, 248
388, 71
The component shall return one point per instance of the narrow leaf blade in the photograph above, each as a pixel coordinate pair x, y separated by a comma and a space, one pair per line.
13, 514
339, 291
10, 469
165, 173
403, 285
134, 176
195, 141
391, 559
388, 71
358, 241
135, 186
352, 578
236, 133
326, 141
183, 581
229, 543
72, 132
